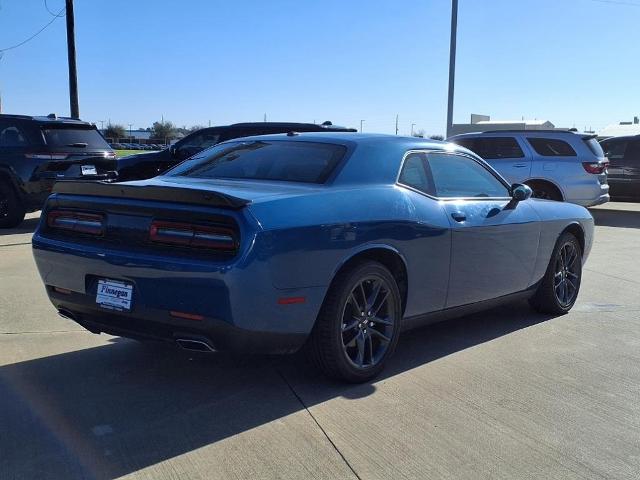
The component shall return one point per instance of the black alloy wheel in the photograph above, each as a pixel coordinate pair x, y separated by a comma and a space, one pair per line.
358, 325
558, 290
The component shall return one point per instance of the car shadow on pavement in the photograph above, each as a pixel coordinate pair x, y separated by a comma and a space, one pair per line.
28, 226
107, 411
616, 218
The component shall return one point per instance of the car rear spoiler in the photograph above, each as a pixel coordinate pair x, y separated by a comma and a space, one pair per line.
587, 137
150, 192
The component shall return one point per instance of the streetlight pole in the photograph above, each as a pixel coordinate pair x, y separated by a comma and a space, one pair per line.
130, 136
71, 55
412, 125
452, 64
396, 124
361, 122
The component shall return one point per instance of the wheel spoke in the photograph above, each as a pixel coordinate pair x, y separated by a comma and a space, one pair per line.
382, 321
355, 304
346, 326
369, 342
360, 344
380, 304
375, 291
380, 335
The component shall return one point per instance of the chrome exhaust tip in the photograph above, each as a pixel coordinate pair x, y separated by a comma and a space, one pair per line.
194, 345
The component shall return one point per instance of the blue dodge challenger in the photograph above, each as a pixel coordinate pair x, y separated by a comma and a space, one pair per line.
331, 241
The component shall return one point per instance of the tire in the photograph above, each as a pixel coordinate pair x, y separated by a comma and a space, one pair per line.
354, 348
11, 211
565, 268
545, 191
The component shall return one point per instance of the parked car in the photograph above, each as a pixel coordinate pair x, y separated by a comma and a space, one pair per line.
333, 241
557, 165
37, 151
136, 167
624, 166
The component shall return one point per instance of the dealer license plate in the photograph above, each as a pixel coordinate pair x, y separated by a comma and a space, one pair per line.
88, 170
114, 295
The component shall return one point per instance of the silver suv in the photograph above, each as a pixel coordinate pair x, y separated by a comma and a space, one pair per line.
557, 165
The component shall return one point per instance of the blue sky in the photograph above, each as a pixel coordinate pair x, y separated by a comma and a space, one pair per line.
568, 61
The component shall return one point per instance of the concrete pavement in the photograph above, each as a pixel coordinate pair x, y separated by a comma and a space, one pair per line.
505, 394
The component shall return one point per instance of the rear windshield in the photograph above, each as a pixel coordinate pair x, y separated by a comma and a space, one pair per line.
594, 146
82, 138
265, 160
491, 148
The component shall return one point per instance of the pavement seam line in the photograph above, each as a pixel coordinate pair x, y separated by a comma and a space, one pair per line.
15, 244
335, 447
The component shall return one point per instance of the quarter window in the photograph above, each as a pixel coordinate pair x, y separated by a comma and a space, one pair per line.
614, 149
551, 147
414, 174
456, 176
492, 148
12, 137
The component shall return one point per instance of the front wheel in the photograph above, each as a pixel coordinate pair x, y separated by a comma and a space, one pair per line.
560, 285
359, 323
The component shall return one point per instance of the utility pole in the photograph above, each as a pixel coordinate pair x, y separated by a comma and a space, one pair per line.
361, 122
101, 124
396, 123
452, 64
130, 136
71, 54
265, 118
412, 125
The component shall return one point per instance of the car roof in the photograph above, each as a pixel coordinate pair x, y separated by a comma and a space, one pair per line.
621, 137
550, 133
51, 118
353, 138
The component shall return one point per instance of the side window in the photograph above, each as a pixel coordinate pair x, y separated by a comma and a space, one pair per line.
456, 176
414, 173
632, 155
12, 136
551, 147
491, 148
614, 149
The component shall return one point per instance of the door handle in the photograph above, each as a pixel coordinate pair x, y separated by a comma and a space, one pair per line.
458, 216
520, 165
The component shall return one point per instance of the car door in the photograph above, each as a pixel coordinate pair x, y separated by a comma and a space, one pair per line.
632, 168
504, 153
614, 149
494, 241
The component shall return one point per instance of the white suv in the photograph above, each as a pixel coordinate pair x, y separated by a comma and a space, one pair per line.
557, 165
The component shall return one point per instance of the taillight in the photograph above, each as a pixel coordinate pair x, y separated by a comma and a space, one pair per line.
79, 222
47, 156
595, 167
193, 235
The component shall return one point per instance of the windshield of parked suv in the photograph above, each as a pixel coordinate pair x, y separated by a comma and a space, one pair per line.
265, 160
74, 137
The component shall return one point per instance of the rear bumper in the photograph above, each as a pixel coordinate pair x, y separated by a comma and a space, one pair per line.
241, 309
593, 202
152, 324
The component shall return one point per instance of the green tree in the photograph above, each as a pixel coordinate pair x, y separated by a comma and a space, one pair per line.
436, 137
164, 130
114, 132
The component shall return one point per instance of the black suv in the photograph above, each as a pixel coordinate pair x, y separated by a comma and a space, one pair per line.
147, 165
35, 152
624, 167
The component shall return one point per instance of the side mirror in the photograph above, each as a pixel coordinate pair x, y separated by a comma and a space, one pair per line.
521, 192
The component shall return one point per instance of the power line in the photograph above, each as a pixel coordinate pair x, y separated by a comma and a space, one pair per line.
59, 14
617, 2
55, 17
